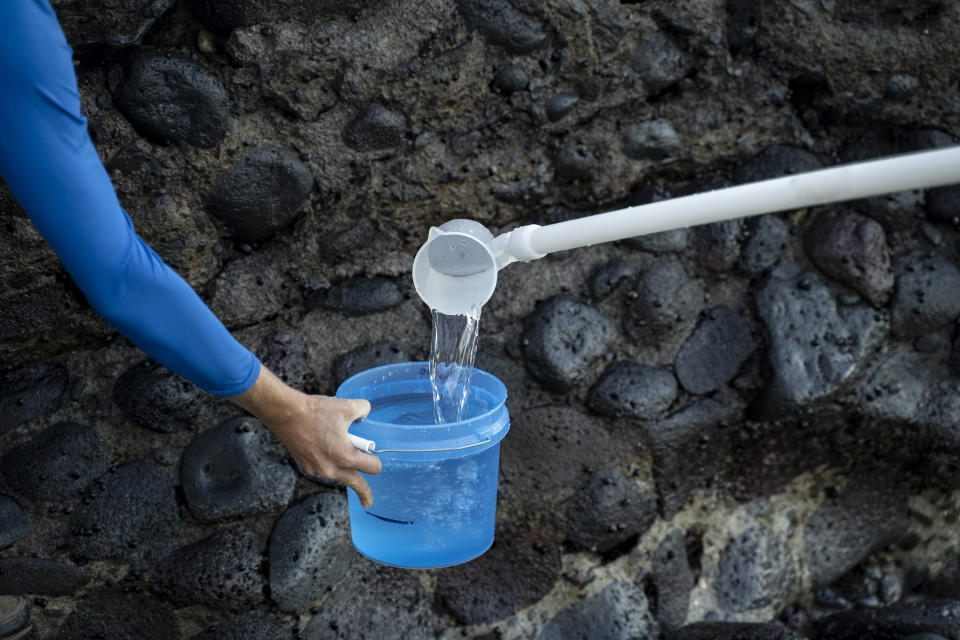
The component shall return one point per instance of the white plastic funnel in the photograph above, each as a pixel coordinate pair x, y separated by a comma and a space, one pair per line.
456, 269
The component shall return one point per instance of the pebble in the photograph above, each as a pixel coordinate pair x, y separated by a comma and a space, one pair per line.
653, 140
619, 612
560, 104
29, 392
562, 339
156, 398
116, 612
14, 524
608, 510
755, 571
503, 25
668, 300
575, 162
376, 128
40, 576
659, 62
924, 299
509, 80
901, 86
172, 98
359, 296
235, 469
310, 550
673, 579
57, 463
607, 277
629, 389
767, 238
261, 192
719, 244
714, 352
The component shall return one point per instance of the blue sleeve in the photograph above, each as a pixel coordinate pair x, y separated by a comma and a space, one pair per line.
50, 164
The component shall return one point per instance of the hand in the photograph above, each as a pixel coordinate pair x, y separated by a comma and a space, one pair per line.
314, 430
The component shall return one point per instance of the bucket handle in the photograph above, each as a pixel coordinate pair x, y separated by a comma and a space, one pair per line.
466, 446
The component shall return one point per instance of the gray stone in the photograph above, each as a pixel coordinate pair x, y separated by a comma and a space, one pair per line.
925, 296
718, 244
502, 24
670, 241
673, 580
221, 571
816, 347
38, 306
91, 26
901, 86
608, 510
774, 162
715, 351
227, 15
261, 193
40, 576
943, 204
633, 390
668, 300
852, 249
619, 612
508, 373
368, 356
116, 612
249, 290
743, 22
896, 622
560, 104
767, 238
605, 279
510, 79
733, 631
689, 449
562, 339
14, 524
376, 128
403, 609
654, 140
130, 514
360, 296
519, 569
257, 624
235, 469
755, 571
174, 99
57, 463
156, 398
863, 517
575, 162
659, 62
310, 550
28, 392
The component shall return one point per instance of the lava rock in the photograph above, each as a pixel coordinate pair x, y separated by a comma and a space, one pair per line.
403, 609
714, 352
608, 510
35, 308
120, 613
376, 128
235, 469
221, 571
101, 22
227, 15
368, 356
130, 514
816, 347
249, 290
689, 449
563, 337
575, 162
670, 241
895, 622
510, 79
659, 62
57, 463
947, 583
519, 569
774, 162
14, 524
654, 140
633, 390
925, 296
256, 624
719, 244
743, 22
943, 204
619, 612
767, 238
40, 576
852, 249
28, 392
360, 296
502, 24
560, 104
156, 398
174, 99
507, 372
901, 86
755, 571
732, 631
667, 300
261, 192
673, 580
605, 279
310, 550
863, 517
285, 355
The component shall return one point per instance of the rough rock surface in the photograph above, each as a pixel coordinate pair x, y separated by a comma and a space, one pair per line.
659, 62
14, 523
310, 550
28, 392
605, 279
156, 398
852, 249
619, 612
924, 299
226, 15
673, 580
235, 469
258, 624
629, 389
653, 140
120, 613
719, 244
767, 237
368, 356
664, 242
667, 300
563, 337
130, 513
101, 23
608, 510
903, 619
715, 351
733, 631
375, 128
943, 204
56, 464
775, 161
40, 576
362, 296
755, 570
502, 24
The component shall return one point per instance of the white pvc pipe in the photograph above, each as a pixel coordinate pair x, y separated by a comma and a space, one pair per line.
847, 182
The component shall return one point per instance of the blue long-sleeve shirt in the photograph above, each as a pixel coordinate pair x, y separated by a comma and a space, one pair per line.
50, 164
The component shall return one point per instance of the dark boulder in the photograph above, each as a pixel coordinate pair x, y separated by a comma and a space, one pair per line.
156, 398
509, 80
629, 389
560, 104
715, 351
256, 624
775, 162
619, 612
895, 622
91, 26
654, 140
40, 576
359, 296
502, 24
743, 22
376, 128
604, 280
659, 62
925, 298
668, 300
673, 580
755, 570
227, 15
121, 613
733, 631
767, 238
608, 510
368, 356
28, 392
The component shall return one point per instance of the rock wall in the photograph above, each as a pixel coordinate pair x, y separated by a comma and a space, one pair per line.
743, 430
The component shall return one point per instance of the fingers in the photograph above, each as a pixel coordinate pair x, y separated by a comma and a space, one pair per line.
356, 482
365, 462
357, 408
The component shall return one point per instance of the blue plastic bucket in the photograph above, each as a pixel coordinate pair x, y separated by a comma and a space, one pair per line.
435, 502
